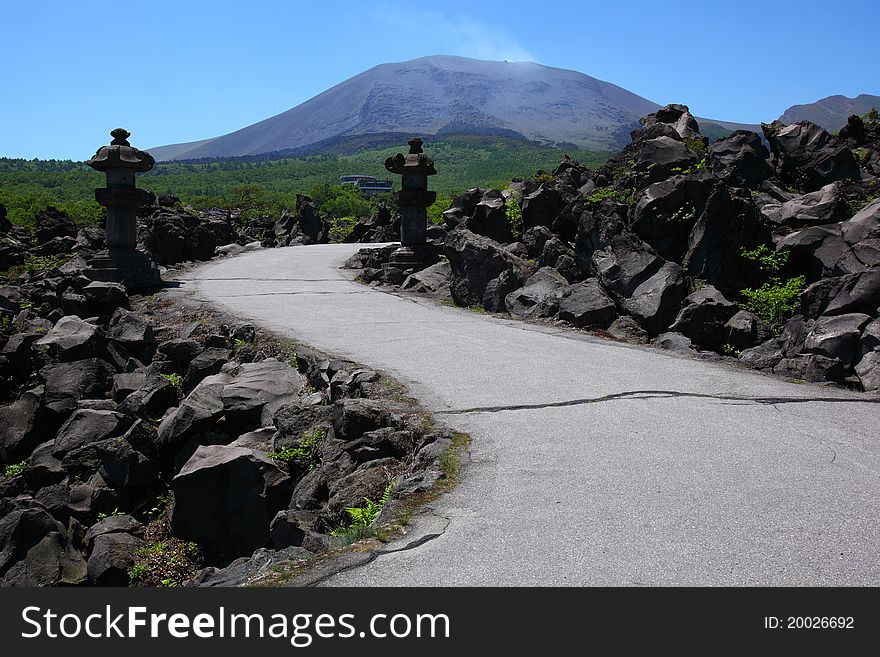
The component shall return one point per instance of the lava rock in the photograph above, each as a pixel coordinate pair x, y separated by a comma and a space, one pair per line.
20, 426
129, 330
67, 383
112, 558
205, 364
199, 411
475, 260
261, 389
225, 499
586, 304
837, 336
538, 297
71, 339
35, 551
740, 159
703, 318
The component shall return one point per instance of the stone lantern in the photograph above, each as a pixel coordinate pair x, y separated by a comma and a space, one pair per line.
122, 263
413, 200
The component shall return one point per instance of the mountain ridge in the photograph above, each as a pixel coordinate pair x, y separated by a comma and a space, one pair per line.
441, 94
446, 94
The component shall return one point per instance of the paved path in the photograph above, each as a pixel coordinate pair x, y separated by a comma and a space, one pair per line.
619, 465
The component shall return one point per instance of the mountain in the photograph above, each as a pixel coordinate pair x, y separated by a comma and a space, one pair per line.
831, 113
443, 95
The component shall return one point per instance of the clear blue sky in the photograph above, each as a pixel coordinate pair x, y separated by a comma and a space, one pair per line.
187, 70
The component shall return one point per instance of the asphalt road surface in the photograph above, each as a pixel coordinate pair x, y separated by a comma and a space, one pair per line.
592, 462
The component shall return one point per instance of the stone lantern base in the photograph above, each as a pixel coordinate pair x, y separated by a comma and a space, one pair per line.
414, 257
134, 269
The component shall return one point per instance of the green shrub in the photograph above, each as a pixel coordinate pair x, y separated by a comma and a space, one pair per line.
361, 517
776, 298
514, 213
341, 228
15, 469
166, 563
304, 451
174, 379
600, 195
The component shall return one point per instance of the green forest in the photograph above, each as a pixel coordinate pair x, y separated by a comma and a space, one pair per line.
27, 186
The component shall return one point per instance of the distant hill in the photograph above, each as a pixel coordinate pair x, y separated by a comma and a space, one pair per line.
831, 113
444, 95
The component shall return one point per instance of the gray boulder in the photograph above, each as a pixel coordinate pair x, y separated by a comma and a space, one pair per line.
474, 261
837, 336
180, 350
744, 330
824, 206
642, 283
586, 304
198, 412
703, 318
354, 417
71, 339
106, 296
665, 213
804, 153
205, 364
541, 207
225, 499
868, 371
813, 368
538, 297
20, 429
112, 557
740, 159
67, 383
489, 218
260, 389
672, 341
432, 279
129, 330
123, 524
76, 443
35, 551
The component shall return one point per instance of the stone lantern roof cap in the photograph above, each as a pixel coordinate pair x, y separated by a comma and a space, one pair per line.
415, 162
121, 155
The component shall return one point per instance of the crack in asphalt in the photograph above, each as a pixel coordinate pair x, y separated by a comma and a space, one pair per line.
657, 394
278, 294
272, 280
412, 545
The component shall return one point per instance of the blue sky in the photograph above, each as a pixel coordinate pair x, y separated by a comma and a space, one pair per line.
188, 70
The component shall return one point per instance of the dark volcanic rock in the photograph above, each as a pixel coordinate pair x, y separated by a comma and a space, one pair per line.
354, 417
71, 339
646, 286
67, 383
740, 159
489, 218
541, 207
806, 155
665, 213
824, 206
112, 557
261, 389
703, 318
475, 260
586, 304
35, 551
198, 412
225, 499
129, 330
20, 427
837, 337
538, 297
